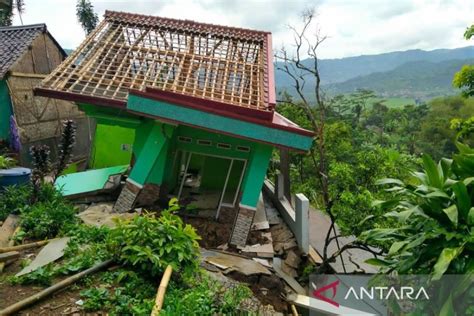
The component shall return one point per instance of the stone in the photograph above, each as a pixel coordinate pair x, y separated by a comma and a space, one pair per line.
292, 259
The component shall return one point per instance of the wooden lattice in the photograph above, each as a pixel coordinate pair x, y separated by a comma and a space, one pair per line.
130, 51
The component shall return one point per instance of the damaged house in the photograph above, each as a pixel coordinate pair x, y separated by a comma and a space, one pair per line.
199, 100
27, 55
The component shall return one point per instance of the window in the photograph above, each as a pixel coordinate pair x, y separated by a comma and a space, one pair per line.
204, 142
223, 146
185, 139
243, 148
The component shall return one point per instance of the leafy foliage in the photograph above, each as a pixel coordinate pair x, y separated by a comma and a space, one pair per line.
86, 15
204, 297
464, 79
46, 219
149, 244
7, 162
435, 216
13, 199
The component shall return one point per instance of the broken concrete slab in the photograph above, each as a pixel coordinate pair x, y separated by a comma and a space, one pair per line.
50, 253
277, 266
259, 250
264, 262
292, 259
102, 215
260, 221
227, 261
90, 182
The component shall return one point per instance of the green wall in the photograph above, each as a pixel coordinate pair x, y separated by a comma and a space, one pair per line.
112, 146
202, 119
5, 111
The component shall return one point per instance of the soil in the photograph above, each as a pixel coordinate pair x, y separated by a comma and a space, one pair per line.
61, 303
267, 288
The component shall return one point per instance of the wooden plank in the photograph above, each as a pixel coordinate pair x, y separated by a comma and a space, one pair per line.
8, 228
9, 256
27, 75
314, 256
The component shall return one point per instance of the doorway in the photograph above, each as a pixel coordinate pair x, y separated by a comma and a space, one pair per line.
211, 181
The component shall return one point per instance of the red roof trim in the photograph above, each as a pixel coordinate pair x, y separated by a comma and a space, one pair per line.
70, 96
274, 123
270, 73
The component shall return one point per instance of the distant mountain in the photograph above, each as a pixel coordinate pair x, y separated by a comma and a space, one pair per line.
418, 79
401, 74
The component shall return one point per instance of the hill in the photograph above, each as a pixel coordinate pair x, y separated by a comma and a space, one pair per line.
419, 80
337, 74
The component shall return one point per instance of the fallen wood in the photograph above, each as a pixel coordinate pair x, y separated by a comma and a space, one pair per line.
293, 309
52, 289
314, 256
26, 246
160, 296
228, 262
8, 256
8, 230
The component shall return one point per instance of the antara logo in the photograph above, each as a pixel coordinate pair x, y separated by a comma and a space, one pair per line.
377, 292
385, 293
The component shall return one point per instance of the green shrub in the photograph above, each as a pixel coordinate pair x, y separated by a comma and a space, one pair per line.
6, 162
14, 199
46, 217
149, 244
203, 296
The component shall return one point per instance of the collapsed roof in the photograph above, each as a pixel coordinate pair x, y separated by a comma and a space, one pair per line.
126, 51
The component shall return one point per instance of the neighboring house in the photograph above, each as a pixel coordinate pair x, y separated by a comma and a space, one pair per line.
27, 55
200, 98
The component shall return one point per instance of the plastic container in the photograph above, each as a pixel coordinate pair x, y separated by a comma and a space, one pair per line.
14, 176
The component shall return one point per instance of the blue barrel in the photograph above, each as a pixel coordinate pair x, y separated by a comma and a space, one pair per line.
14, 176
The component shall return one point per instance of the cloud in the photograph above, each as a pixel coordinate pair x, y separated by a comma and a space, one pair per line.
354, 27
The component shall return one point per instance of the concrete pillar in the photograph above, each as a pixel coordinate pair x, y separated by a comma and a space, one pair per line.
150, 154
302, 221
279, 186
251, 188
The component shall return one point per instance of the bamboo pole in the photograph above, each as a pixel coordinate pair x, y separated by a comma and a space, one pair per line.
52, 289
26, 246
293, 310
10, 244
160, 295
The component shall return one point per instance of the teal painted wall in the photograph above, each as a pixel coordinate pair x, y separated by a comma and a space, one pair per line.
255, 174
5, 111
219, 123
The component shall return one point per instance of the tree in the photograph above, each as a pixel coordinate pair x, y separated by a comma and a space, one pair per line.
464, 79
86, 15
7, 11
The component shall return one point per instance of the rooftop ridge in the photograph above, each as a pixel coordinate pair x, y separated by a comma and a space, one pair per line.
24, 27
185, 24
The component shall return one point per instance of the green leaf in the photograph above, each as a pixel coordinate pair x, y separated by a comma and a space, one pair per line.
389, 181
444, 259
432, 172
396, 246
452, 212
470, 216
448, 308
377, 262
463, 198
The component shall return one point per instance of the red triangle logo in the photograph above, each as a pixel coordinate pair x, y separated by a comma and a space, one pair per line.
332, 286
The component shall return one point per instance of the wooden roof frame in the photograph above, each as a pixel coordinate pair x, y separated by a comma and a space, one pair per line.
225, 67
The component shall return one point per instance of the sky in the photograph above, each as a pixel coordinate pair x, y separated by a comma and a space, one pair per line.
352, 27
